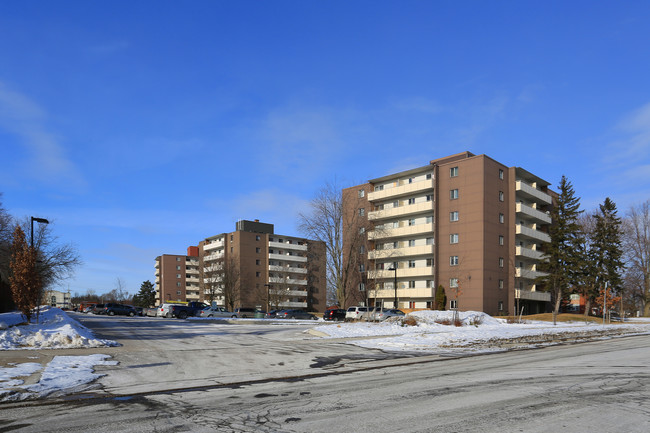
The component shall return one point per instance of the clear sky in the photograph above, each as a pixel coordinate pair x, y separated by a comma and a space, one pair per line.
142, 127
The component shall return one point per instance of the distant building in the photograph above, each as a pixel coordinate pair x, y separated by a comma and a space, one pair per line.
55, 298
275, 270
465, 222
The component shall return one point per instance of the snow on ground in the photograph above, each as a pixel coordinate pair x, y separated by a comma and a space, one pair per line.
479, 332
62, 374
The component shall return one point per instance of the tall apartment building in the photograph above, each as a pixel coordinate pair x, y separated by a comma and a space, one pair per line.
465, 222
177, 277
275, 270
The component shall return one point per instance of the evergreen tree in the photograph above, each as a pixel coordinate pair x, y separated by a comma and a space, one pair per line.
607, 247
563, 251
441, 298
146, 297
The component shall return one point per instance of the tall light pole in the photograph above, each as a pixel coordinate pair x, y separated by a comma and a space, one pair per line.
38, 220
42, 221
394, 268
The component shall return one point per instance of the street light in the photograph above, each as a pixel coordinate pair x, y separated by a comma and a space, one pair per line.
38, 220
394, 268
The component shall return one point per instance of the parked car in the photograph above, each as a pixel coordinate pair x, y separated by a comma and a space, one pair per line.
355, 313
295, 314
334, 314
183, 311
112, 309
98, 309
271, 314
385, 314
139, 311
216, 312
244, 313
151, 312
87, 308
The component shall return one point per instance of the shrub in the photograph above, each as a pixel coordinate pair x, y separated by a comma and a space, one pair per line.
409, 321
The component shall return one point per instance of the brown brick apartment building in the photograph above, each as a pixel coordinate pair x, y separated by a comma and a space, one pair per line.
283, 271
466, 222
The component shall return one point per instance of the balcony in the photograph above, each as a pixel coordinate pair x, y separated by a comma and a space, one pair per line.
532, 295
402, 190
528, 273
213, 246
289, 281
532, 193
423, 271
409, 209
283, 293
286, 246
532, 233
533, 213
292, 304
401, 231
422, 250
212, 257
287, 269
529, 253
389, 294
286, 257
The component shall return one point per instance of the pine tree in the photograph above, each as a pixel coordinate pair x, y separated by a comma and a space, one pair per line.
607, 247
146, 297
24, 280
563, 251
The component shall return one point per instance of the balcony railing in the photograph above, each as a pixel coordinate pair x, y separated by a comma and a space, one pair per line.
408, 209
287, 269
532, 295
288, 258
422, 250
533, 213
286, 246
529, 253
401, 190
401, 231
275, 280
533, 192
212, 246
528, 273
532, 233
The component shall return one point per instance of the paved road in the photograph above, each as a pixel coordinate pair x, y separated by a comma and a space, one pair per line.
595, 387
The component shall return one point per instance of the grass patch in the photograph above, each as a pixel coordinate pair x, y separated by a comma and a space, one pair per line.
548, 317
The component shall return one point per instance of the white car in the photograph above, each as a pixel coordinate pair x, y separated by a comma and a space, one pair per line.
216, 312
355, 313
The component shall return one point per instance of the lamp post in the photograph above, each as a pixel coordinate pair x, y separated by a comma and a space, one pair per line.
38, 220
394, 268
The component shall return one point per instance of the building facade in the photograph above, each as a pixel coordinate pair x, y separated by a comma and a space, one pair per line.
250, 267
56, 298
465, 222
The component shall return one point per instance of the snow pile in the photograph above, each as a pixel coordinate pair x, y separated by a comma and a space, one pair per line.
55, 330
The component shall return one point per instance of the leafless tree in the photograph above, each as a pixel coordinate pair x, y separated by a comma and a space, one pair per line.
636, 241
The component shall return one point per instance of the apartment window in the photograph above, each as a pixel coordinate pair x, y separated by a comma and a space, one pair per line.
429, 197
453, 172
395, 224
411, 263
395, 245
411, 284
411, 242
453, 283
429, 284
396, 203
178, 268
501, 262
178, 275
501, 196
412, 201
453, 216
362, 268
500, 305
257, 238
362, 287
178, 259
379, 188
429, 219
231, 249
453, 194
257, 250
453, 260
501, 284
231, 238
178, 292
178, 285
501, 241
362, 230
453, 304
428, 176
362, 193
412, 221
257, 262
257, 274
430, 241
501, 174
453, 238
502, 218
429, 262
362, 211
362, 249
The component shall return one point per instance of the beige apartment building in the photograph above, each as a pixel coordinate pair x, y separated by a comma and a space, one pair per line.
465, 222
271, 270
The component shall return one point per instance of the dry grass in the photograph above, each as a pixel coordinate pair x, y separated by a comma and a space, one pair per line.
548, 317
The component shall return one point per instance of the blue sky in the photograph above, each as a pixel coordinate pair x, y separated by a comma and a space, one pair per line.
141, 127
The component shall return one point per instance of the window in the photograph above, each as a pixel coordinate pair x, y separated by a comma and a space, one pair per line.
178, 268
379, 188
453, 172
257, 238
396, 203
362, 249
362, 287
178, 259
411, 242
430, 241
453, 260
429, 262
362, 230
501, 174
412, 200
178, 292
362, 211
428, 176
178, 275
429, 284
453, 283
453, 194
501, 196
412, 222
257, 274
362, 193
429, 219
411, 284
453, 304
502, 218
362, 268
501, 262
501, 239
395, 224
453, 216
500, 305
395, 245
257, 262
429, 197
257, 250
411, 263
410, 180
501, 284
178, 284
453, 238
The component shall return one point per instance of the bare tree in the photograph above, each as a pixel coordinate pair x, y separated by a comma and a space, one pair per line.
338, 220
210, 279
231, 282
636, 242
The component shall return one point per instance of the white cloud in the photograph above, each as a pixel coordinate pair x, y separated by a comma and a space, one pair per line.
24, 118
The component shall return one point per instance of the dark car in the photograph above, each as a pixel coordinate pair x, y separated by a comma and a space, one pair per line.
98, 309
119, 309
335, 314
295, 314
271, 314
244, 312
